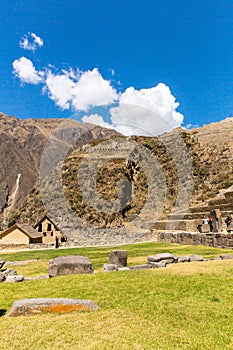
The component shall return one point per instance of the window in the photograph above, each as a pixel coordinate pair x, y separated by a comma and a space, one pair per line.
49, 227
40, 228
52, 234
44, 234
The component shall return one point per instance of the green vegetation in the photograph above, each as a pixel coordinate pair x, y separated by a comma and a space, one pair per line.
184, 306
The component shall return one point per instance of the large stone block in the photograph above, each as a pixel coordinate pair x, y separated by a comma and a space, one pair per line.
72, 264
196, 257
160, 257
50, 305
14, 279
118, 257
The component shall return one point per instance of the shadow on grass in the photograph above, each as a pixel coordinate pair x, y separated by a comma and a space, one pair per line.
2, 312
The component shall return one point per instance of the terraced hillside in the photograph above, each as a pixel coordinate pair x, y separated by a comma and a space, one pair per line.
195, 165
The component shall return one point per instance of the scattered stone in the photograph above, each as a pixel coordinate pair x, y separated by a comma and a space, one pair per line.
162, 256
216, 259
123, 268
9, 272
141, 267
21, 262
184, 258
196, 257
2, 276
50, 305
118, 257
158, 265
226, 256
2, 262
110, 267
14, 279
36, 278
72, 264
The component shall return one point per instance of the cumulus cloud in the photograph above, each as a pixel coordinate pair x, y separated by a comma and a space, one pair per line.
30, 42
24, 69
60, 88
92, 90
79, 90
145, 112
149, 111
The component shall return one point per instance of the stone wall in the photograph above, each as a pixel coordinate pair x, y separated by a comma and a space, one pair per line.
216, 240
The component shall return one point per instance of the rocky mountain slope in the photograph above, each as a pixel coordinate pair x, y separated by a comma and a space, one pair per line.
193, 166
21, 146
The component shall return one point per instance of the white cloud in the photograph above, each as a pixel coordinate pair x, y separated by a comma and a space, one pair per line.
147, 111
79, 90
24, 69
97, 120
191, 126
151, 111
30, 42
92, 90
60, 88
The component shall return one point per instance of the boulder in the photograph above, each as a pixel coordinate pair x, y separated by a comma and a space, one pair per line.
196, 257
72, 264
49, 305
118, 257
140, 267
14, 279
110, 267
2, 276
184, 258
162, 256
2, 262
226, 256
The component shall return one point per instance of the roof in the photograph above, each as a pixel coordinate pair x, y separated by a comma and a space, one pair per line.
26, 229
44, 218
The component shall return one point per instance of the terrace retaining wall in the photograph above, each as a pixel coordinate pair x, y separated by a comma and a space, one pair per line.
216, 240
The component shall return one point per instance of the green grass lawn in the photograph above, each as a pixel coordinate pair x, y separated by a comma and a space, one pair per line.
183, 306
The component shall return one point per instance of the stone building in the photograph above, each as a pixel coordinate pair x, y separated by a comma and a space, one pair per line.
50, 232
20, 234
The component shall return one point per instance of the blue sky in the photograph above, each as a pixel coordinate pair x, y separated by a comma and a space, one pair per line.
185, 45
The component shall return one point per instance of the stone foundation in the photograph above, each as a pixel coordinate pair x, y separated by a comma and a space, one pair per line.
216, 240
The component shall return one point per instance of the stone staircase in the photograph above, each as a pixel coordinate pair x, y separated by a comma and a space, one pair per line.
190, 220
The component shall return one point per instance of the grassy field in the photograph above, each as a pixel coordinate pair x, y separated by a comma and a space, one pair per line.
183, 306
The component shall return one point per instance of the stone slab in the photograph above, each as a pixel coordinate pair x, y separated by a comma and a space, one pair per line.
140, 267
14, 279
162, 256
36, 306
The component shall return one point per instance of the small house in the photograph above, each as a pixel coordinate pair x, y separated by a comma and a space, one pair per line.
49, 230
20, 234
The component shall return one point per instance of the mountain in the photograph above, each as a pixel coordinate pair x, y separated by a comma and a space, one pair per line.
96, 178
22, 143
